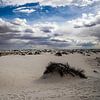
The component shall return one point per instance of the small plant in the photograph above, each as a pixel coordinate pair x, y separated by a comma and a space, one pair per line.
95, 71
58, 54
37, 53
65, 53
30, 53
64, 69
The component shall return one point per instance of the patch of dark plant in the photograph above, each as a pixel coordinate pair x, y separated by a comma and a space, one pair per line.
64, 69
64, 53
30, 53
58, 54
37, 53
95, 71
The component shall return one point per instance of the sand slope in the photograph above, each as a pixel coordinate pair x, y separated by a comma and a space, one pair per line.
20, 78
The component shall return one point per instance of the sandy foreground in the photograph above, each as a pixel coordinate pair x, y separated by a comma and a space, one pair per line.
20, 78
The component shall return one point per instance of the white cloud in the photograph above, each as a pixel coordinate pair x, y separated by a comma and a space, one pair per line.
26, 10
17, 26
19, 21
18, 41
87, 20
6, 27
16, 2
51, 2
67, 2
18, 31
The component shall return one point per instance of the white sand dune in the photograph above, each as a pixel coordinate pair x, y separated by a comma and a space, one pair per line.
20, 78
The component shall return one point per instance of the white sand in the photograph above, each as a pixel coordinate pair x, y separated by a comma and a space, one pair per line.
20, 78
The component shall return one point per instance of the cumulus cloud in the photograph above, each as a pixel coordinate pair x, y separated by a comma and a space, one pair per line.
19, 21
50, 2
87, 20
20, 34
68, 2
16, 2
6, 27
11, 29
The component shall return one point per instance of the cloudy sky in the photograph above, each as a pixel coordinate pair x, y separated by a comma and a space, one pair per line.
49, 23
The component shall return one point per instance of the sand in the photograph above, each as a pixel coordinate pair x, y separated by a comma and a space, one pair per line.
21, 78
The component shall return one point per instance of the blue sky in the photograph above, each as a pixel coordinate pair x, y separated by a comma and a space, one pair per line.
49, 23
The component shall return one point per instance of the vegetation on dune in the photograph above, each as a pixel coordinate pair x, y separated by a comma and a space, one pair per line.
58, 54
37, 52
64, 69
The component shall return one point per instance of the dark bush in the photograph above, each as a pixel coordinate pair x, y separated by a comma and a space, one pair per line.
37, 53
64, 53
95, 71
64, 69
58, 54
0, 54
23, 54
30, 53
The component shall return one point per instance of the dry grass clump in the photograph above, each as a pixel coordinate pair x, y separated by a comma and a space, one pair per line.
58, 54
64, 69
37, 53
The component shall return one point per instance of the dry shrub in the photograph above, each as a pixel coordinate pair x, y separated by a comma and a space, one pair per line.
64, 69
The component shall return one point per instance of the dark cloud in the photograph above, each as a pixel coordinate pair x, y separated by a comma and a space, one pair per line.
88, 44
86, 20
6, 29
92, 31
46, 35
29, 31
5, 41
49, 42
85, 25
46, 29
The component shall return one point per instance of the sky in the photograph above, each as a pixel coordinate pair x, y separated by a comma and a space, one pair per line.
49, 24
